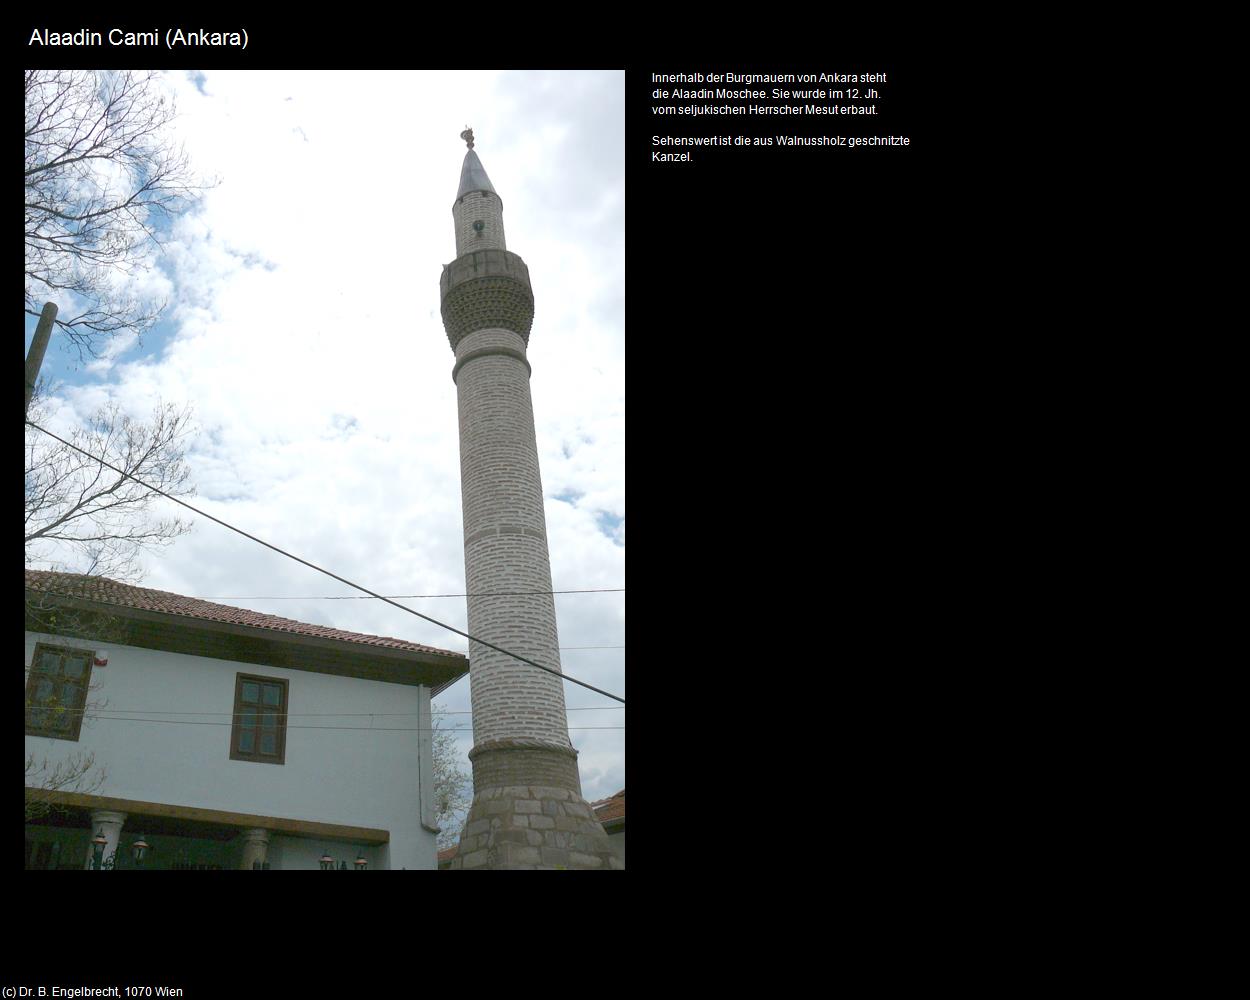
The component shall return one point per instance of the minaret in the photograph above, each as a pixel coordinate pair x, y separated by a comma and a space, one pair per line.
528, 810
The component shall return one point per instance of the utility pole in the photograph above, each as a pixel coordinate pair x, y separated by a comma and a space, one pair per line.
34, 360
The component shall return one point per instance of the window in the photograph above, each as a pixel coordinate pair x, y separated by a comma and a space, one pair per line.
56, 691
259, 732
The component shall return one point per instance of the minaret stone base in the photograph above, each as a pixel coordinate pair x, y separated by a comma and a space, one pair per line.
546, 826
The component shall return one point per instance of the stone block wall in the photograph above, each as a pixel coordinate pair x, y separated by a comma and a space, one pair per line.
533, 827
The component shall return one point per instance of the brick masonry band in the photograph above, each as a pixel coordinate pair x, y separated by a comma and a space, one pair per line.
481, 352
503, 529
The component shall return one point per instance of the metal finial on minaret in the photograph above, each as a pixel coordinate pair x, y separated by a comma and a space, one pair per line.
528, 810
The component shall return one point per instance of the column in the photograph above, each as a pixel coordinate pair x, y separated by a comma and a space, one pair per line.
109, 823
255, 847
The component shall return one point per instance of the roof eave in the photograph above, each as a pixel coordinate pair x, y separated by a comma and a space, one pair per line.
264, 646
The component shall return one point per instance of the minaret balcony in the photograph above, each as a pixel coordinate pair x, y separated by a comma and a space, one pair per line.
486, 289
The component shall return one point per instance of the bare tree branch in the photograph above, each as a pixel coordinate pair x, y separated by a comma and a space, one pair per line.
453, 792
75, 773
102, 178
78, 510
102, 175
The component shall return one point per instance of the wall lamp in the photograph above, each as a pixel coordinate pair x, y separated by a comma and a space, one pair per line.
138, 850
97, 849
327, 863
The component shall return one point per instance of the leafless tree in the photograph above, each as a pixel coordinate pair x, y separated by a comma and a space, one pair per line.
102, 174
84, 517
44, 778
453, 791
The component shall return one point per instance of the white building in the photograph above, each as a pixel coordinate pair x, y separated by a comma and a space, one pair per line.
226, 738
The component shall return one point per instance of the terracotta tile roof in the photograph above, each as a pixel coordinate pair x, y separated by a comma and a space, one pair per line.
612, 808
97, 588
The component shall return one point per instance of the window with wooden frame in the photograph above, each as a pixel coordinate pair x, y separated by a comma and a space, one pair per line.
259, 731
56, 691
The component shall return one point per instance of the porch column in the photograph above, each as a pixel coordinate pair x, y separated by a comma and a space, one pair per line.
255, 846
110, 824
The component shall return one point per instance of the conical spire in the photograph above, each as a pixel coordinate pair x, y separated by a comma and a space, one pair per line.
472, 174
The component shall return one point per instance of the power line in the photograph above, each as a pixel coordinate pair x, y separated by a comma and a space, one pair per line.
485, 593
353, 729
333, 576
102, 712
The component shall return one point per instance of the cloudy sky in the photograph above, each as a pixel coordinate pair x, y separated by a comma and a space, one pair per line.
303, 330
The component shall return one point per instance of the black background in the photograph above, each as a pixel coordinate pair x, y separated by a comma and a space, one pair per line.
791, 473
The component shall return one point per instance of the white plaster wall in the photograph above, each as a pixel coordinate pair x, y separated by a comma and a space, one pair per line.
353, 778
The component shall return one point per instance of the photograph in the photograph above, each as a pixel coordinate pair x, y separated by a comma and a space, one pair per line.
324, 468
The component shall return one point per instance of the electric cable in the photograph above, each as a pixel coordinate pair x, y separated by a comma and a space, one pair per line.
484, 593
326, 572
290, 715
353, 729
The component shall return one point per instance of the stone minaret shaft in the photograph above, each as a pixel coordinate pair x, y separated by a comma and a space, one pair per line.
528, 811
